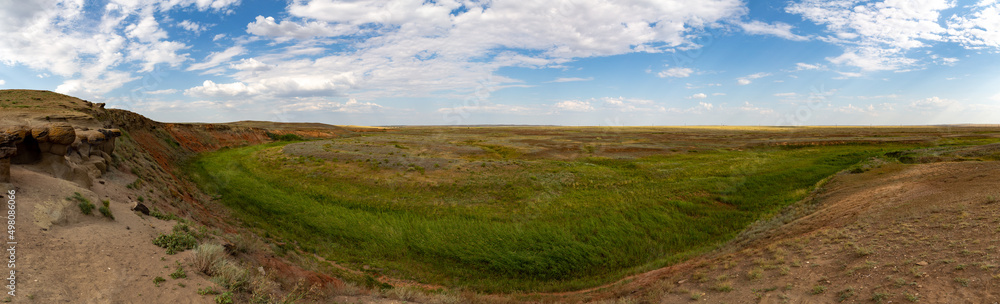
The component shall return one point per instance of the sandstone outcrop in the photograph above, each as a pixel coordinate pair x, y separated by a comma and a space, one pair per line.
77, 154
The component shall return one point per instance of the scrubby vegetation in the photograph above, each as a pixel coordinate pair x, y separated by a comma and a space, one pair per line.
180, 239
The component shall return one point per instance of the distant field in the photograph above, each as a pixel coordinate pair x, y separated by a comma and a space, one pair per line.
537, 208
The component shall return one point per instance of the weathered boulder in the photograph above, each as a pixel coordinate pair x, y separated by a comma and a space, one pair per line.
61, 133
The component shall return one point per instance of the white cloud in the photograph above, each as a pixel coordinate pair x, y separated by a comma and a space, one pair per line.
698, 96
250, 64
351, 106
574, 106
288, 29
572, 79
934, 104
162, 92
876, 35
790, 94
978, 30
846, 75
745, 80
996, 97
805, 66
216, 58
147, 30
2, 82
414, 39
219, 36
676, 72
491, 108
718, 94
778, 29
195, 27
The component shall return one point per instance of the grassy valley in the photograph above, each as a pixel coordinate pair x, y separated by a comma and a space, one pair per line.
536, 209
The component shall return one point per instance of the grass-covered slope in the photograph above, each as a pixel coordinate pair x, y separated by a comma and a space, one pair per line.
508, 212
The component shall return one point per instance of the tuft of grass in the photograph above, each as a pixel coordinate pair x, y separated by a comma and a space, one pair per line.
724, 286
911, 297
818, 289
755, 273
879, 297
845, 294
230, 275
962, 281
206, 256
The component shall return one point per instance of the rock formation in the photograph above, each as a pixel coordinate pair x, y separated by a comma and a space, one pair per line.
76, 154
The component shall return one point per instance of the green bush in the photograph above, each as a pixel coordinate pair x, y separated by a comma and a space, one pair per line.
179, 240
284, 137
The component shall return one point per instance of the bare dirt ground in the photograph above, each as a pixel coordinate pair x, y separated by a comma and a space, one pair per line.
64, 256
919, 233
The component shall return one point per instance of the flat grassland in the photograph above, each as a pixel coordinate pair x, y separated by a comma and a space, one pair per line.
539, 209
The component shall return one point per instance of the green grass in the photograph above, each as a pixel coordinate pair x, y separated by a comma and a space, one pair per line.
509, 222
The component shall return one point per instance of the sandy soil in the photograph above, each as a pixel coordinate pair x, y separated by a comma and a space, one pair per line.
64, 256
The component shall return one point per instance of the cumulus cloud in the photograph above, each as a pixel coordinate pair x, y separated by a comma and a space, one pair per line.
778, 29
2, 82
676, 73
463, 43
933, 104
574, 106
250, 64
195, 27
698, 96
284, 30
879, 35
977, 30
94, 50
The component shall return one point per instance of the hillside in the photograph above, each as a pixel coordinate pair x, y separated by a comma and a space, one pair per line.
919, 223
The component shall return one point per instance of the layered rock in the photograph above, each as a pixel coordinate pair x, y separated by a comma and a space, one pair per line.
75, 154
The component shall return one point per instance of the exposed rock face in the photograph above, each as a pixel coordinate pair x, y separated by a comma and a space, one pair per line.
76, 154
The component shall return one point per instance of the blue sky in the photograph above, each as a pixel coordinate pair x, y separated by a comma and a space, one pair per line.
565, 62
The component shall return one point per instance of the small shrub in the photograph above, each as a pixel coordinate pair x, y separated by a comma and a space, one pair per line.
85, 205
106, 210
158, 280
179, 273
224, 298
177, 241
911, 297
208, 291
